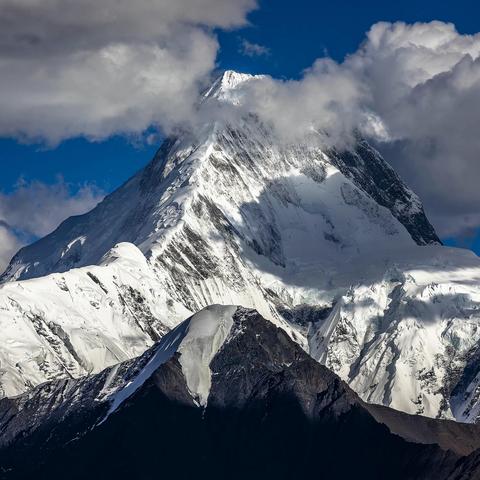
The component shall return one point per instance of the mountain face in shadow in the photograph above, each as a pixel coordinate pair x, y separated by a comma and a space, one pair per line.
272, 413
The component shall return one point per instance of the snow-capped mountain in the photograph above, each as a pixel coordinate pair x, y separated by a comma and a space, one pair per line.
225, 387
330, 245
238, 178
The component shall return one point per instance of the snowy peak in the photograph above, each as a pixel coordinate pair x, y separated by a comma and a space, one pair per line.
226, 83
79, 322
125, 253
231, 79
241, 171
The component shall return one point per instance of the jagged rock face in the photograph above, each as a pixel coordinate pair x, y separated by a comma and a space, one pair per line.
272, 412
368, 170
323, 243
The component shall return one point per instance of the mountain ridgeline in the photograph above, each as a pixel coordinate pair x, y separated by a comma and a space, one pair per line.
369, 350
272, 412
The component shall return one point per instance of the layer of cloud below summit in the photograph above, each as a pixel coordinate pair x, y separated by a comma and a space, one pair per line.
96, 68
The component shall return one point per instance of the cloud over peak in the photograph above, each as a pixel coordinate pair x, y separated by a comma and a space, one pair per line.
414, 90
99, 67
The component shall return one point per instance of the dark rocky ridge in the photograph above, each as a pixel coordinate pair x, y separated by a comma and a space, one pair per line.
369, 171
272, 413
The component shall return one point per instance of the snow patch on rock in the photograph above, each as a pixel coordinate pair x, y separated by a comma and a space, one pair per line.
164, 351
197, 339
207, 332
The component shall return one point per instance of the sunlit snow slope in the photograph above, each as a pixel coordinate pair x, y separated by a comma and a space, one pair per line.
328, 244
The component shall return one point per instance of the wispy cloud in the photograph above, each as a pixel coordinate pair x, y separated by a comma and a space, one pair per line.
253, 49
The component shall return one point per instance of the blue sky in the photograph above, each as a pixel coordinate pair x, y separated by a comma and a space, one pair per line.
299, 35
293, 35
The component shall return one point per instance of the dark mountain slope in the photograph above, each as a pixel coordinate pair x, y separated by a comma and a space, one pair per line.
272, 413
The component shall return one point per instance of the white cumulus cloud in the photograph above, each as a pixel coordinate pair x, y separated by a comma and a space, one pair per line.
98, 67
424, 81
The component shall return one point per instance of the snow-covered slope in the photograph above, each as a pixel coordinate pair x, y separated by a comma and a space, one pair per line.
329, 245
196, 341
407, 333
237, 177
74, 323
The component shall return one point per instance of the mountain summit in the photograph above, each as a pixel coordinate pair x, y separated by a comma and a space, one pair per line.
328, 244
242, 169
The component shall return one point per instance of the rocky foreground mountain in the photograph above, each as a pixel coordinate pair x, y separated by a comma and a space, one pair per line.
226, 394
328, 244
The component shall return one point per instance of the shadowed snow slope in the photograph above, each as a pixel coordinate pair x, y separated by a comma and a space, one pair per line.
330, 245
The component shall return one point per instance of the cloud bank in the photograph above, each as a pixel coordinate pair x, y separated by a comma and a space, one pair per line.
98, 67
424, 84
